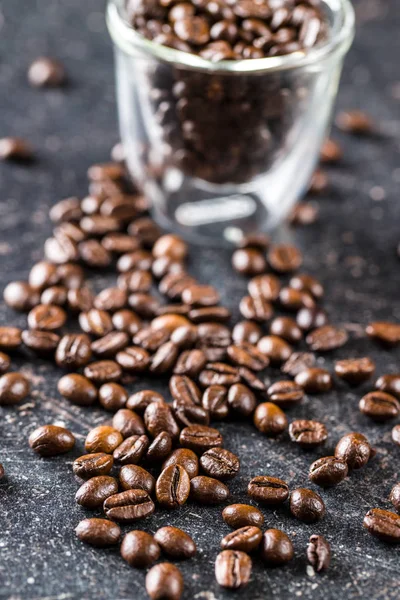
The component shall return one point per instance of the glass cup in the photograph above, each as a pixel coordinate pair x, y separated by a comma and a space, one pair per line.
224, 148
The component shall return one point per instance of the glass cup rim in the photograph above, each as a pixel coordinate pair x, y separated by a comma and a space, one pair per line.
129, 40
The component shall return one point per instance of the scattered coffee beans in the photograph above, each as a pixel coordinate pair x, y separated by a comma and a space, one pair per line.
175, 543
306, 505
319, 553
242, 515
164, 582
276, 547
98, 532
233, 569
51, 440
383, 524
139, 549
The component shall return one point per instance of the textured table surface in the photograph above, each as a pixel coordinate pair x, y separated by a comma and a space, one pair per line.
351, 249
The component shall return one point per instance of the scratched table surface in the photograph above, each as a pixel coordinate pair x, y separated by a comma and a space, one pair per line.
352, 249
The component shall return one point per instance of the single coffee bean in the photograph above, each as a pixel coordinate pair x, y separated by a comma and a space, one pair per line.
93, 492
103, 371
383, 524
241, 400
95, 322
158, 417
126, 320
276, 547
246, 331
220, 464
103, 439
133, 359
139, 549
355, 370
355, 450
268, 490
256, 309
71, 276
184, 390
160, 448
175, 543
163, 265
284, 258
295, 300
247, 355
42, 275
111, 299
266, 287
164, 582
270, 419
319, 553
314, 380
145, 230
200, 438
384, 332
128, 506
242, 515
233, 569
249, 261
311, 318
217, 314
200, 295
139, 401
245, 539
285, 393
170, 322
396, 434
389, 384
379, 406
190, 363
15, 149
172, 487
306, 505
138, 260
286, 328
73, 351
164, 359
5, 363
297, 362
99, 533
46, 72
14, 387
98, 225
184, 336
355, 122
218, 373
190, 414
307, 434
66, 210
51, 440
61, 249
328, 471
173, 284
132, 450
126, 421
92, 465
57, 294
77, 389
326, 338
119, 243
207, 490
275, 348
170, 245
80, 300
46, 316
215, 401
113, 397
135, 281
20, 296
133, 477
93, 254
185, 458
394, 497
307, 283
42, 343
151, 339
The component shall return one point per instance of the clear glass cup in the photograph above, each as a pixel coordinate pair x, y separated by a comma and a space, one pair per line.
224, 148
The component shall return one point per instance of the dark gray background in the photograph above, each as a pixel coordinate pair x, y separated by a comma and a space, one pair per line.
351, 248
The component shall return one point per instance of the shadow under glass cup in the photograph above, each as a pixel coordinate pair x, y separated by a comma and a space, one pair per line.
224, 148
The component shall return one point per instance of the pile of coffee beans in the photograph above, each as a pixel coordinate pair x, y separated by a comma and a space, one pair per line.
160, 454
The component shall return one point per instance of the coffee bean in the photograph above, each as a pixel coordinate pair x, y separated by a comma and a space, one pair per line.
111, 299
396, 434
5, 363
389, 384
355, 450
247, 355
151, 339
242, 515
16, 149
95, 322
133, 359
119, 243
241, 400
80, 300
215, 401
207, 490
92, 465
200, 438
172, 487
57, 294
249, 261
66, 210
20, 296
132, 450
169, 322
51, 440
314, 380
164, 359
129, 506
164, 582
253, 240
164, 265
276, 547
266, 287
245, 539
275, 348
255, 309
394, 497
139, 401
94, 254
185, 458
213, 336
95, 491
145, 305
125, 421
319, 553
123, 208
103, 439
77, 389
170, 245
158, 417
113, 397
46, 316
10, 338
73, 351
285, 393
188, 414
293, 300
355, 370
270, 419
42, 275
173, 284
220, 464
200, 295
190, 363
145, 230
103, 371
331, 151
126, 320
218, 373
328, 471
326, 338
246, 331
175, 543
46, 72
303, 213
98, 225
60, 248
138, 260
268, 490
233, 569
355, 122
139, 549
383, 524
100, 172
219, 314
307, 434
384, 332
71, 276
298, 362
184, 336
14, 387
379, 406
284, 258
307, 283
311, 318
98, 532
133, 477
286, 328
306, 505
111, 344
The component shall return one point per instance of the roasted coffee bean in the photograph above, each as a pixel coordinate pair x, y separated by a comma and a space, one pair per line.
249, 261
5, 363
16, 149
159, 449
98, 225
218, 373
355, 370
51, 440
200, 295
94, 254
125, 421
383, 524
200, 438
158, 417
354, 121
266, 287
92, 465
46, 72
303, 213
270, 419
111, 344
170, 245
103, 371
256, 309
190, 363
306, 505
331, 151
314, 380
42, 343
190, 414
268, 490
379, 406
247, 355
139, 401
169, 322
307, 434
276, 547
164, 265
145, 305
151, 339
56, 294
46, 316
328, 471
384, 332
355, 450
293, 300
132, 450
175, 543
206, 490
254, 240
123, 208
138, 260
129, 506
172, 487
103, 439
119, 243
389, 384
77, 389
251, 380
10, 338
184, 336
284, 258
113, 397
145, 230
133, 477
394, 496
298, 362
80, 300
96, 322
242, 515
98, 532
396, 434
20, 296
133, 359
241, 400
164, 359
14, 387
215, 401
245, 539
164, 582
100, 172
246, 331
60, 248
307, 283
173, 284
73, 351
185, 458
275, 348
90, 205
94, 492
42, 275
71, 275
66, 210
139, 549
233, 569
285, 393
319, 553
286, 328
126, 320
326, 338
219, 314
111, 299
220, 464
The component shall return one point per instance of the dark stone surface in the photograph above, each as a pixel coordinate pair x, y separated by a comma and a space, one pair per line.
351, 248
